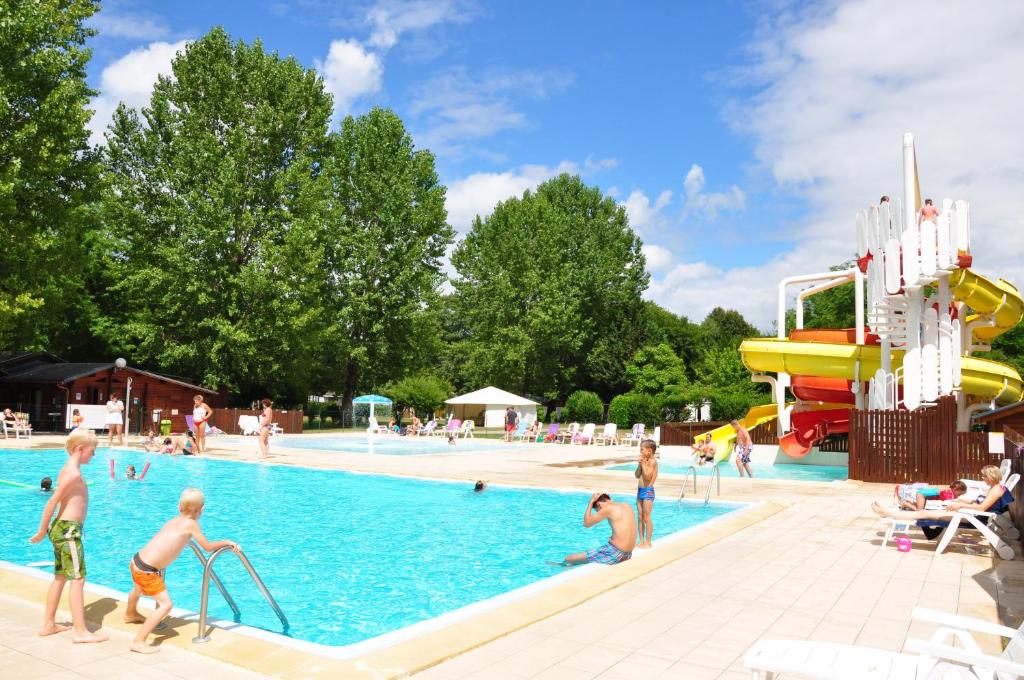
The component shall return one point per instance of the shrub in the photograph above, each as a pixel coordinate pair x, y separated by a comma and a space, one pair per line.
727, 404
423, 393
328, 421
582, 407
305, 421
634, 407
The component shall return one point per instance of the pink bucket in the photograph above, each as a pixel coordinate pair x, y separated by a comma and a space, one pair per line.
903, 543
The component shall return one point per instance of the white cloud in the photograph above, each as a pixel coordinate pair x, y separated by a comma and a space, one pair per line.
131, 26
658, 259
838, 87
710, 204
130, 79
642, 213
350, 72
391, 18
456, 109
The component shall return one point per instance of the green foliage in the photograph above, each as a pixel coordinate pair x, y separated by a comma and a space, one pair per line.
582, 407
662, 326
676, 401
423, 393
634, 407
728, 404
47, 174
726, 328
654, 369
548, 293
383, 239
215, 220
1008, 348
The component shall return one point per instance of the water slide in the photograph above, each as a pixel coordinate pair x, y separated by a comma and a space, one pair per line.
823, 363
724, 437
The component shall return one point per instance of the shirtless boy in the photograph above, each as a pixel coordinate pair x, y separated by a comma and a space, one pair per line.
619, 547
646, 473
149, 564
72, 497
744, 447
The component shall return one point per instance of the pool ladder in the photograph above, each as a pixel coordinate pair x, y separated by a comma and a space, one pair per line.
716, 479
210, 575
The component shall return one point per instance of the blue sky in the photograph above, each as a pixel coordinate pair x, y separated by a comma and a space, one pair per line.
715, 124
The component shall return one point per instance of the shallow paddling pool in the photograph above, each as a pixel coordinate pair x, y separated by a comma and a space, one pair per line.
349, 557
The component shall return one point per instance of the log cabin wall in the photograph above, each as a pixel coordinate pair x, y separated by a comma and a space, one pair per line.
148, 394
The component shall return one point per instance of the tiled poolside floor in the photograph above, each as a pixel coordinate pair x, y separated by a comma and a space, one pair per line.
813, 570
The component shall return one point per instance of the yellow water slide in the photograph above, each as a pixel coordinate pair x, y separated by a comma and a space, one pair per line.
724, 436
998, 302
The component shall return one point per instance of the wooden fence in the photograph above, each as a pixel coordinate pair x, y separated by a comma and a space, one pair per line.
682, 433
227, 419
915, 446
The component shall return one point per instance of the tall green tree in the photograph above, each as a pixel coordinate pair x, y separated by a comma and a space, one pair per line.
385, 233
548, 289
678, 332
655, 369
726, 328
214, 215
47, 173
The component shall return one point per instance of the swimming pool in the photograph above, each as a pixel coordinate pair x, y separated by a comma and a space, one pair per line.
348, 556
387, 445
803, 473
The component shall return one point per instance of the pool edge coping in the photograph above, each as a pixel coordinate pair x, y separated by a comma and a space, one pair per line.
274, 657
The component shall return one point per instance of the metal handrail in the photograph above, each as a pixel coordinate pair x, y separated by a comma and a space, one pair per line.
216, 581
686, 477
716, 477
207, 571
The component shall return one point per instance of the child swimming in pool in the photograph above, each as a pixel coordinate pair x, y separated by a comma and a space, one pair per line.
149, 564
619, 547
46, 485
646, 474
129, 472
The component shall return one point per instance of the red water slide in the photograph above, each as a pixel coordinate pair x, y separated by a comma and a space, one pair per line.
810, 427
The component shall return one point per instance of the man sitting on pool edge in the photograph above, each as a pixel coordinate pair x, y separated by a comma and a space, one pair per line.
619, 547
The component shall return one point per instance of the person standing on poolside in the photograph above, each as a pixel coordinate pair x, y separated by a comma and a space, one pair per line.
70, 500
511, 418
266, 421
619, 547
200, 414
115, 420
646, 473
744, 447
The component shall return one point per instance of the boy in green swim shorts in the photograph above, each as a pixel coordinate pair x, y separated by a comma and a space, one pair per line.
65, 532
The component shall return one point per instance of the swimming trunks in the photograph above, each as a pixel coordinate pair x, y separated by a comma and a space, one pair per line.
510, 427
744, 453
607, 554
149, 579
645, 493
68, 553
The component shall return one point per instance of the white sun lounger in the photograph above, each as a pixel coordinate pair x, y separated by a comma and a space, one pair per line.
931, 659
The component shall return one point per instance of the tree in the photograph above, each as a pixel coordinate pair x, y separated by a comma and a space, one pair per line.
654, 369
384, 236
634, 407
214, 218
548, 289
1009, 348
726, 328
422, 392
682, 335
47, 174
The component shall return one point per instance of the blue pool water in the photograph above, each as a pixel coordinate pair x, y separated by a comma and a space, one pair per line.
348, 556
389, 445
804, 473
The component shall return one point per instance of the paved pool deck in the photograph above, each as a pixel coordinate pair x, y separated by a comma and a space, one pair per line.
803, 563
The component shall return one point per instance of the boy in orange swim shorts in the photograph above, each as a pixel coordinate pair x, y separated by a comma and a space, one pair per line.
149, 564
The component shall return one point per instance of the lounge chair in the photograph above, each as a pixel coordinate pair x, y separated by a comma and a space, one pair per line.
467, 429
528, 434
19, 426
520, 428
568, 436
993, 524
636, 434
249, 424
451, 429
427, 429
552, 434
586, 435
921, 659
373, 427
657, 435
607, 436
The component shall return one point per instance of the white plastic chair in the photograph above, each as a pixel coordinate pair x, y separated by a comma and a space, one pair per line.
921, 659
607, 436
636, 434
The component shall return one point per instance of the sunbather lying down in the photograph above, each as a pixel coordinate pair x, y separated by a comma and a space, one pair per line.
994, 500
